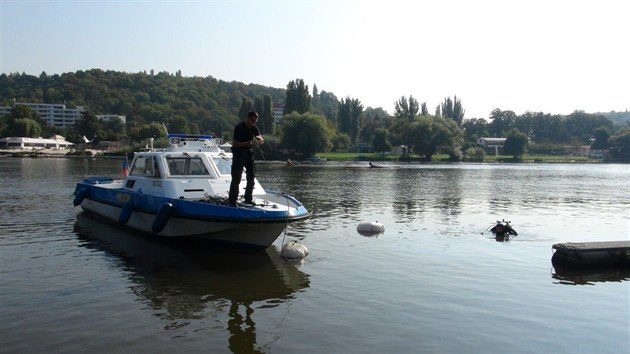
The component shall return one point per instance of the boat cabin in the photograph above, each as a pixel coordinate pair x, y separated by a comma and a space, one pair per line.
192, 167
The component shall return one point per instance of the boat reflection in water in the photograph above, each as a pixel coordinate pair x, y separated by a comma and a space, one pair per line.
585, 276
187, 280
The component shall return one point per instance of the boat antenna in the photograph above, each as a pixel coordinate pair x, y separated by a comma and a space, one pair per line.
165, 130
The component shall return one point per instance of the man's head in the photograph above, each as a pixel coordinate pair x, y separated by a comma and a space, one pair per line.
252, 118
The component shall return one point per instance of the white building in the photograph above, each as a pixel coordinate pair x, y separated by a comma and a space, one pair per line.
56, 115
56, 142
496, 143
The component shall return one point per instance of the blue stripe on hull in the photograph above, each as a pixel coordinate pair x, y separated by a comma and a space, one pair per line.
189, 209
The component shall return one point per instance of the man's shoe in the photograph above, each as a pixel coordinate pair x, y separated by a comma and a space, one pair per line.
232, 204
249, 202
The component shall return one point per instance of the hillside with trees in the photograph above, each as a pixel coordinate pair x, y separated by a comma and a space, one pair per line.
314, 121
189, 104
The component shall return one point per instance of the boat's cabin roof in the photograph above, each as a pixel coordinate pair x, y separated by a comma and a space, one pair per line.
187, 156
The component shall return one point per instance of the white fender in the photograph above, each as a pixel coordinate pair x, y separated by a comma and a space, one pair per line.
370, 228
294, 251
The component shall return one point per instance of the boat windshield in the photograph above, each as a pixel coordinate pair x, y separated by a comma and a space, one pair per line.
186, 166
224, 165
145, 166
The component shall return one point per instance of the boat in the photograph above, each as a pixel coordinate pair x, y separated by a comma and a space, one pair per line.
182, 191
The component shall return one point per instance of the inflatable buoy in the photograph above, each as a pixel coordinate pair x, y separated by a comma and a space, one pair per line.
80, 196
162, 217
370, 228
125, 214
294, 251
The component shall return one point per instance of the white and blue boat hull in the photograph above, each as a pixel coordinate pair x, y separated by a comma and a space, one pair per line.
257, 226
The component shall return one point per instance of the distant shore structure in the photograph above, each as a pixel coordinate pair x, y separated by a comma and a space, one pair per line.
55, 142
58, 115
496, 143
54, 114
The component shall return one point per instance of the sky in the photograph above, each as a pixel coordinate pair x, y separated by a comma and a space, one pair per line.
551, 56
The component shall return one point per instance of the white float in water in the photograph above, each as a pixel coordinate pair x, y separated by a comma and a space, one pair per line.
371, 228
294, 251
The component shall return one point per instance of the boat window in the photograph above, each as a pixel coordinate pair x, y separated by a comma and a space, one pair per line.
186, 166
145, 166
224, 165
197, 167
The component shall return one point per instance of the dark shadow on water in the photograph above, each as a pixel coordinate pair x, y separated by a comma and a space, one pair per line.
589, 276
184, 280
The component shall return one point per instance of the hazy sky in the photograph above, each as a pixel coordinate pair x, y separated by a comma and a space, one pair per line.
553, 56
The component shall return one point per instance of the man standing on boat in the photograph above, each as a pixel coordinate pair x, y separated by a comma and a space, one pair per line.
246, 134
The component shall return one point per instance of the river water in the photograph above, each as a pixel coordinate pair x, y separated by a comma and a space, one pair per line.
435, 281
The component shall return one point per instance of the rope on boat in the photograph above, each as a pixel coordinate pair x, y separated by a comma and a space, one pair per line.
282, 188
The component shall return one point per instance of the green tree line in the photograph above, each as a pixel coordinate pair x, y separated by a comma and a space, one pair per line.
314, 120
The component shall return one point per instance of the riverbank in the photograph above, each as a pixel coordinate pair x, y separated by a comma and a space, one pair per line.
35, 153
349, 156
325, 156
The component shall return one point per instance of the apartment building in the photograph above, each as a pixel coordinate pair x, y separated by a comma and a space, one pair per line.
54, 114
278, 111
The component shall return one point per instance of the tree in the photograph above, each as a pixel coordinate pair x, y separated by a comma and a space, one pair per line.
246, 107
267, 122
619, 145
458, 111
22, 111
25, 127
430, 134
152, 130
348, 120
258, 105
380, 142
406, 109
341, 142
372, 119
356, 108
515, 143
400, 133
475, 154
298, 97
315, 102
474, 129
328, 106
179, 125
546, 128
90, 126
115, 128
502, 122
424, 111
602, 135
305, 133
447, 108
581, 126
22, 121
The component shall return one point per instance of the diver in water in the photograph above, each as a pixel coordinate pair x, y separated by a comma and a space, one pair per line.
503, 228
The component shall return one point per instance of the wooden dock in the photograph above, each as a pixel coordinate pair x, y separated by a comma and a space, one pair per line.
591, 254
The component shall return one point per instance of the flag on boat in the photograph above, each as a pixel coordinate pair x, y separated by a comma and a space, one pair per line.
125, 167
